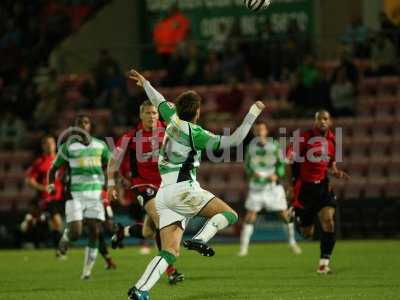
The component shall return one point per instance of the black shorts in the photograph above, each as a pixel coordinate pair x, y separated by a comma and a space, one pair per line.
55, 207
144, 194
313, 197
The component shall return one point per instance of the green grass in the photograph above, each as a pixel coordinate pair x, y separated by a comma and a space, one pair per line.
362, 270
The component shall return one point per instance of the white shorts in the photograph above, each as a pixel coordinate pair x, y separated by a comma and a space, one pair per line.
180, 201
271, 197
81, 208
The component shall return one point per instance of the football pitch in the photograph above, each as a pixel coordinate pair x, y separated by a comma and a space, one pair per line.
362, 270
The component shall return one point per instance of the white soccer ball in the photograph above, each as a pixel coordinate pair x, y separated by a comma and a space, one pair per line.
256, 5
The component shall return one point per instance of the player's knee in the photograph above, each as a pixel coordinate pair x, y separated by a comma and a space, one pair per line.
231, 216
148, 232
328, 225
308, 232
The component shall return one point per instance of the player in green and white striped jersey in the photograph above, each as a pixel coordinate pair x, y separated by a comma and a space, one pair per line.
86, 159
180, 196
265, 165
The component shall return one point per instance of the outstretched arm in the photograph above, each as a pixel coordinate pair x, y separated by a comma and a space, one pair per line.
166, 109
241, 132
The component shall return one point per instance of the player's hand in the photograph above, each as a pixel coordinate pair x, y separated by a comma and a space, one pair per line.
135, 75
260, 105
51, 189
112, 193
340, 174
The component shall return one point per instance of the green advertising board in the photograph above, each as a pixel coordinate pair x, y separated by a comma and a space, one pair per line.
206, 15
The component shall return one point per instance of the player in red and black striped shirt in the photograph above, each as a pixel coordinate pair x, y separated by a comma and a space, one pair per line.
36, 178
140, 147
313, 157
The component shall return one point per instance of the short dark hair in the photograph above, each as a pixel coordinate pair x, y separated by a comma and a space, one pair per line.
187, 105
47, 136
321, 111
146, 103
81, 116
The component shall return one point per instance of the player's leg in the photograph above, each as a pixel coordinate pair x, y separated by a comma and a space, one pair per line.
328, 239
253, 205
91, 250
74, 217
55, 224
284, 215
171, 237
220, 215
150, 230
71, 233
247, 231
135, 230
103, 249
94, 215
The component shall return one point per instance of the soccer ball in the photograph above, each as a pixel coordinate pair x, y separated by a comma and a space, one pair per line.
256, 5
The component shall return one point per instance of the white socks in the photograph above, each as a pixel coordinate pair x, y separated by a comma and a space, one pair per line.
245, 235
211, 227
152, 274
324, 262
291, 234
126, 231
90, 259
64, 236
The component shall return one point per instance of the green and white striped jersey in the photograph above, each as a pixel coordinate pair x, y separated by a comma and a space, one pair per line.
180, 153
85, 164
265, 160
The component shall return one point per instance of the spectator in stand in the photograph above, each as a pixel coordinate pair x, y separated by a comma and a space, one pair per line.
175, 67
387, 26
107, 73
12, 36
212, 69
12, 131
193, 71
271, 51
295, 45
351, 69
169, 33
315, 86
218, 41
384, 61
233, 63
342, 94
45, 114
231, 101
356, 36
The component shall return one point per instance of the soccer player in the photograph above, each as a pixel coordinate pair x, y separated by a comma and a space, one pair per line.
36, 178
313, 156
180, 195
85, 157
144, 143
265, 167
108, 226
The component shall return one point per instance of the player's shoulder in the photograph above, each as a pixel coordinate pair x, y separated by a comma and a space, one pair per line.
98, 143
331, 135
38, 161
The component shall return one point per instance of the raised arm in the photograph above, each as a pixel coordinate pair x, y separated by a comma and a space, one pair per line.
166, 109
241, 132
